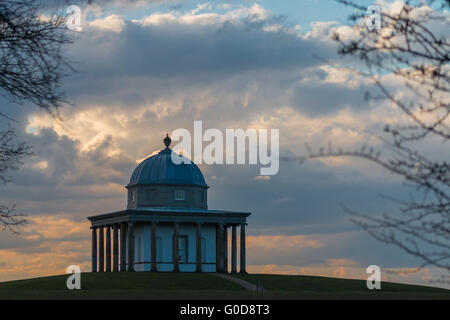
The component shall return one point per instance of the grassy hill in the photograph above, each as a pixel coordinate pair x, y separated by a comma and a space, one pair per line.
141, 285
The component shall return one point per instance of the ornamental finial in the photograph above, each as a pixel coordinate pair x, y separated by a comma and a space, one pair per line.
167, 141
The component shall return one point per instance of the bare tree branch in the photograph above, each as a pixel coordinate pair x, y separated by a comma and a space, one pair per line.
31, 69
409, 48
31, 61
10, 220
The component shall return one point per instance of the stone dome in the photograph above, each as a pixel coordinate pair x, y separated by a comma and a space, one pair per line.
159, 182
160, 169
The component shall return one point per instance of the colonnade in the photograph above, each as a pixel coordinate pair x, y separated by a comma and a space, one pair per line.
107, 259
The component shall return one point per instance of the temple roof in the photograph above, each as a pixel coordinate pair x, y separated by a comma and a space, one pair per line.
169, 214
160, 169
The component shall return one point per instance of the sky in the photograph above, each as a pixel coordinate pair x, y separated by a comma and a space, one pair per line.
146, 68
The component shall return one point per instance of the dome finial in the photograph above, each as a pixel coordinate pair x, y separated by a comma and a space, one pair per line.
167, 141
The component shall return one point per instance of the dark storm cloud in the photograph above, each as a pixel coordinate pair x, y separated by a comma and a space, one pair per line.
316, 101
66, 165
56, 3
193, 51
354, 246
307, 200
241, 71
144, 63
9, 240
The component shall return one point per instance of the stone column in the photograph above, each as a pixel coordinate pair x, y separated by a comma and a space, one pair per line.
130, 242
101, 251
243, 249
225, 249
115, 248
123, 247
198, 249
153, 247
108, 248
175, 254
94, 249
219, 248
233, 249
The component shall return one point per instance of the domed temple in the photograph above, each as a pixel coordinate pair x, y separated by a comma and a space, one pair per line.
167, 225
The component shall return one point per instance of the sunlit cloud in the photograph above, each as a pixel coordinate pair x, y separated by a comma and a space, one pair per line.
231, 66
114, 23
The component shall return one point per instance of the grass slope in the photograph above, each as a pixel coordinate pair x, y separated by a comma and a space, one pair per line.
142, 285
313, 287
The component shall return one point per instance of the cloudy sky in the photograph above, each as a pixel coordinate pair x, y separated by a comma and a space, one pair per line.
149, 67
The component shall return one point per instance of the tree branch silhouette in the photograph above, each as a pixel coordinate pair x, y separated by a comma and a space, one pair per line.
410, 48
32, 67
